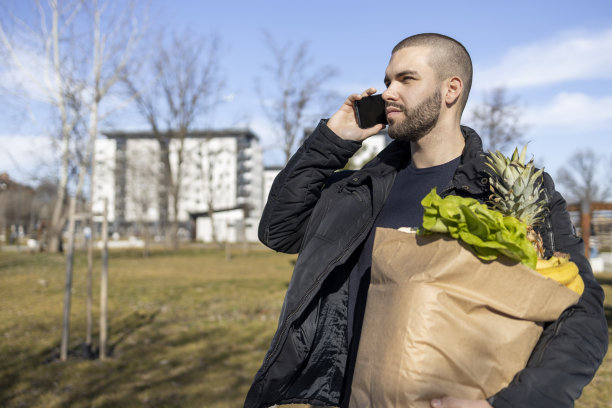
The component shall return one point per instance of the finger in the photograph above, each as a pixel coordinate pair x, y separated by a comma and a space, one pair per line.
448, 402
356, 97
368, 92
369, 132
352, 98
375, 129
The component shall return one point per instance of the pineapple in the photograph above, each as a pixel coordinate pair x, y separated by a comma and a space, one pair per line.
516, 187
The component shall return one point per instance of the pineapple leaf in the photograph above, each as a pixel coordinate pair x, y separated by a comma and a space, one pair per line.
523, 155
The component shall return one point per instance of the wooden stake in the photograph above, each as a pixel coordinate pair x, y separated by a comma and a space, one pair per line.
585, 226
90, 241
245, 243
68, 285
228, 250
104, 284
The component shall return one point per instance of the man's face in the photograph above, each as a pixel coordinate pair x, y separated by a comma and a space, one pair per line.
413, 97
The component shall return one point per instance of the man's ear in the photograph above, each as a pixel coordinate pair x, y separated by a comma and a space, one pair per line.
454, 88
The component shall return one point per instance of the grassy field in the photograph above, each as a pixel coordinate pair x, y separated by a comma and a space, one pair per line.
187, 329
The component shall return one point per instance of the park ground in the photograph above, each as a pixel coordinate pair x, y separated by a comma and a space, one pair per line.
187, 329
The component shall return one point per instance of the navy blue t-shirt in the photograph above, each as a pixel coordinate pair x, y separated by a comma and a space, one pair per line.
401, 209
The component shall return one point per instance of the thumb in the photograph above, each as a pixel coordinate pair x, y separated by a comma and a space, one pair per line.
448, 402
436, 403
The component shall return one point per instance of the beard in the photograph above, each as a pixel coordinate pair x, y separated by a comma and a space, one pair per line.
417, 121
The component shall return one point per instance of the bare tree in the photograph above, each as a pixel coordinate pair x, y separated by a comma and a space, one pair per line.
498, 120
208, 165
79, 69
57, 61
298, 84
24, 207
42, 205
185, 81
15, 208
581, 179
142, 177
114, 36
54, 84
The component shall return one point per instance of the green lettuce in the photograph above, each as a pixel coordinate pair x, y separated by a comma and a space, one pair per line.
488, 232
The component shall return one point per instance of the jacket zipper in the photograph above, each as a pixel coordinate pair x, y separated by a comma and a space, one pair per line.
311, 288
558, 325
551, 238
549, 230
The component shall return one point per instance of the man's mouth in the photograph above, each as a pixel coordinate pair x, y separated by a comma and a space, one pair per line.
390, 108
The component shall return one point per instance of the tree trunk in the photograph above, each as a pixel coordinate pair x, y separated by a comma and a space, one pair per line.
89, 281
145, 236
55, 229
175, 226
104, 285
165, 186
68, 285
245, 242
213, 227
176, 189
93, 131
228, 247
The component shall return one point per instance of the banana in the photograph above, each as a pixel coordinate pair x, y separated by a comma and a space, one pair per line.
559, 261
564, 274
559, 268
551, 262
577, 285
545, 264
563, 257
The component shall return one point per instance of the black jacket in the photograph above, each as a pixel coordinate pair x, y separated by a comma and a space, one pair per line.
326, 215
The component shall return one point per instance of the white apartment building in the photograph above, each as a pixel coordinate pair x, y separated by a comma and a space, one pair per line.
370, 148
221, 170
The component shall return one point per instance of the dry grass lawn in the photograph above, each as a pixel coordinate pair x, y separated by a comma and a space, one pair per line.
187, 329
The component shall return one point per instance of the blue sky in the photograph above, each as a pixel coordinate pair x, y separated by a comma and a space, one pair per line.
555, 56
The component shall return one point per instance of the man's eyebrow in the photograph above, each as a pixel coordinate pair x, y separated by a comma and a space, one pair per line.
406, 72
401, 74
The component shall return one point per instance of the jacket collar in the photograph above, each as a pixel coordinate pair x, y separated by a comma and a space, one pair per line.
471, 175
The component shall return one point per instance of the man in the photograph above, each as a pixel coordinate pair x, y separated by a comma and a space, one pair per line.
329, 218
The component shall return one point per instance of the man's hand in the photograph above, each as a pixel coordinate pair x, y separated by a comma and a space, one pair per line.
448, 402
344, 122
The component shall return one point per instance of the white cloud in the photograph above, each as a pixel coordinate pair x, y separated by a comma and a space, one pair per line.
23, 157
568, 56
571, 112
28, 74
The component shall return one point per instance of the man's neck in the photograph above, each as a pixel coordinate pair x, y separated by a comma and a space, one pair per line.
441, 145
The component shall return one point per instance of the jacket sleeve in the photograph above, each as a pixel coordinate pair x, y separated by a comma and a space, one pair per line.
298, 186
570, 349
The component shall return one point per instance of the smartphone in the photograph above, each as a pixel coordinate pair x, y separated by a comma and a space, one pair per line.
370, 111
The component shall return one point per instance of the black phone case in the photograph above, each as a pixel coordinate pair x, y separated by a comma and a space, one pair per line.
370, 111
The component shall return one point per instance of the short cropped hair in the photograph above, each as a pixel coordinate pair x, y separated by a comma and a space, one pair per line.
448, 58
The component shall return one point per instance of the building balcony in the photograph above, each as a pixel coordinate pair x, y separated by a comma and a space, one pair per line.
245, 167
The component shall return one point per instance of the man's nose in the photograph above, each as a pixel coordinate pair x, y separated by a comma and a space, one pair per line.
389, 94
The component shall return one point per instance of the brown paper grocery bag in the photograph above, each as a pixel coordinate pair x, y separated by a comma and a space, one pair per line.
439, 321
